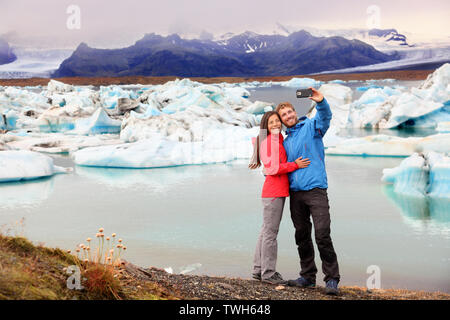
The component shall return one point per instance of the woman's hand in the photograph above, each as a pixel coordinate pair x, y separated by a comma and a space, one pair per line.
302, 163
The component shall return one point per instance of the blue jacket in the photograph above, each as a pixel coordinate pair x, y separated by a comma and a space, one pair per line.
305, 140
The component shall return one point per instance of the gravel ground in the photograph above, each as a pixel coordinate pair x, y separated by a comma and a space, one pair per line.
193, 287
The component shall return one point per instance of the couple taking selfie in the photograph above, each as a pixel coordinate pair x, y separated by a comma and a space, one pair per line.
295, 167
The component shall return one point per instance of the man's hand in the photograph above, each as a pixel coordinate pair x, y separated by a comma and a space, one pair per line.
316, 96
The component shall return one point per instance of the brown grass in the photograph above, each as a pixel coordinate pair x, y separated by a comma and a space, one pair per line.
29, 272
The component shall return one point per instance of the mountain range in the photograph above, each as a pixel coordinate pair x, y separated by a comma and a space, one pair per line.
246, 54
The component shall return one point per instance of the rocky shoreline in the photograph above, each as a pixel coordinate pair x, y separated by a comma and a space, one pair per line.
195, 287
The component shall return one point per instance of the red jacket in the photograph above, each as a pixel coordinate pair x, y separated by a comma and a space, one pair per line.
273, 156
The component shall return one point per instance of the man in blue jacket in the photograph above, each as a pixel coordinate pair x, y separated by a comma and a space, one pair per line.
308, 192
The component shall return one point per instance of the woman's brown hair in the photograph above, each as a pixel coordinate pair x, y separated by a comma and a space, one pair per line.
255, 161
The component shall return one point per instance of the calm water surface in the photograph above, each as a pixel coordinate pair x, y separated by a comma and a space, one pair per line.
211, 214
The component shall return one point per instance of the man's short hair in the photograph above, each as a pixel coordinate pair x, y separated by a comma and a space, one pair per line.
283, 105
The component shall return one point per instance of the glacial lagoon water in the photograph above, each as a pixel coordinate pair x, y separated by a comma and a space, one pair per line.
210, 216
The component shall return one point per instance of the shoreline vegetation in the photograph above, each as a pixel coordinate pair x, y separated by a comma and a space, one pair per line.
104, 81
34, 272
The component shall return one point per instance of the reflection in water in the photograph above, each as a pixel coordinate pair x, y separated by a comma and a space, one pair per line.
156, 178
25, 193
423, 213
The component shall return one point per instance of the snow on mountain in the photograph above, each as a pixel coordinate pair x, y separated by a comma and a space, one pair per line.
415, 50
34, 62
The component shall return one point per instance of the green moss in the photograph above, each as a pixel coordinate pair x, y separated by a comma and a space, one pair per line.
19, 244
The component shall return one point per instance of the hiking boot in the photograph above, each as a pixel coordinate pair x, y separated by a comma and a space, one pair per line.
276, 278
256, 276
302, 283
332, 287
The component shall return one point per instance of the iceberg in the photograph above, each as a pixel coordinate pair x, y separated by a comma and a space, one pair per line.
18, 165
390, 146
389, 108
339, 81
98, 123
421, 175
439, 176
436, 87
300, 83
157, 150
55, 142
55, 86
8, 119
443, 127
365, 88
258, 107
410, 177
59, 119
339, 98
192, 124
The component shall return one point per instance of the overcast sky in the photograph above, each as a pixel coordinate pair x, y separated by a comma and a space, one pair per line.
115, 23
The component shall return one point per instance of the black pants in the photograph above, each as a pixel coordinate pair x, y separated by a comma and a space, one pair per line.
303, 205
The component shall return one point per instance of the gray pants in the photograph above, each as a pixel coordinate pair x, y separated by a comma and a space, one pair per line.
265, 259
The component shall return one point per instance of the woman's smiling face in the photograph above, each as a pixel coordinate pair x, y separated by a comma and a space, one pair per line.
274, 124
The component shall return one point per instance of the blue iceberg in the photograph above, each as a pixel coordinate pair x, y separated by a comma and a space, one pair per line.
421, 175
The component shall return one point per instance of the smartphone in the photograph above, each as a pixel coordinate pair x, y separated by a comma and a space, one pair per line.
304, 93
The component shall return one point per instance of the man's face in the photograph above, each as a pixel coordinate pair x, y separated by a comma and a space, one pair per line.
288, 116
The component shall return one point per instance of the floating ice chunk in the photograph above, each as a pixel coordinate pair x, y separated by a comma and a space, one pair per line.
339, 98
98, 123
54, 86
384, 145
300, 83
365, 88
443, 127
386, 109
390, 108
159, 151
190, 268
8, 119
18, 98
168, 270
437, 85
408, 107
110, 94
375, 95
430, 119
421, 175
26, 165
56, 142
191, 124
58, 119
339, 81
258, 107
439, 177
410, 177
256, 84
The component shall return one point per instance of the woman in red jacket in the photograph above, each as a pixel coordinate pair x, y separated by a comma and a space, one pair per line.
275, 190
